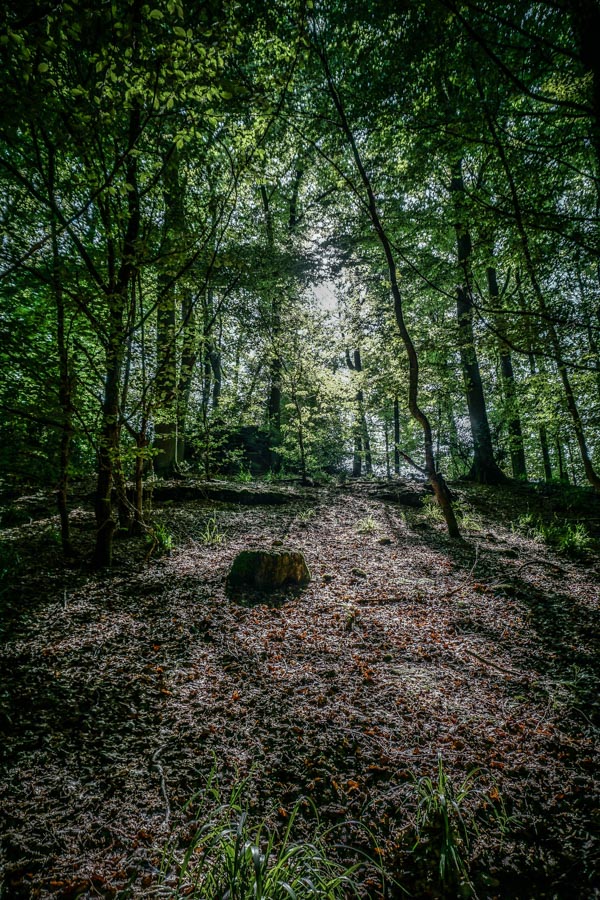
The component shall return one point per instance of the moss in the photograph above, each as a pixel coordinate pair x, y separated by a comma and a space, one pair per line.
268, 569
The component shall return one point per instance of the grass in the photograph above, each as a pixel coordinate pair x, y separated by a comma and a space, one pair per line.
160, 540
465, 517
232, 856
569, 538
211, 533
442, 825
367, 526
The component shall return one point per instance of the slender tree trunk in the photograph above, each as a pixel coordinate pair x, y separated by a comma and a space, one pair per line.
165, 425
189, 358
436, 480
275, 367
572, 407
542, 431
109, 440
562, 471
64, 384
515, 433
108, 445
361, 417
396, 436
484, 468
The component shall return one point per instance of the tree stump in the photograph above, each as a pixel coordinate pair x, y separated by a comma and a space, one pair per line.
268, 570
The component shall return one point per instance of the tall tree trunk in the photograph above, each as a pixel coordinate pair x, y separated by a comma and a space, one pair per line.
109, 459
542, 431
165, 425
275, 367
396, 436
362, 441
515, 432
64, 384
189, 358
572, 407
436, 480
562, 471
484, 468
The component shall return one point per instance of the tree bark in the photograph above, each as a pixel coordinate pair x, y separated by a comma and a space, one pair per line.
64, 384
436, 479
165, 419
515, 432
396, 436
484, 468
109, 438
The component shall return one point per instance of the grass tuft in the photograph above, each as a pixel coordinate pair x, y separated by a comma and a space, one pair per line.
232, 856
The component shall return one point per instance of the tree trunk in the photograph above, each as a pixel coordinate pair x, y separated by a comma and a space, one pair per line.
436, 479
484, 468
108, 445
165, 424
515, 433
64, 384
275, 367
118, 297
396, 436
189, 358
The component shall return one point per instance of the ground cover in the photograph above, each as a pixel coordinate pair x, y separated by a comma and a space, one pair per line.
411, 666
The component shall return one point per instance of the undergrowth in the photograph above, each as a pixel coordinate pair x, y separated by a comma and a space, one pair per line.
444, 828
572, 539
234, 856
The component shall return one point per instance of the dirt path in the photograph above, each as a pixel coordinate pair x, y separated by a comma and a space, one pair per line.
120, 693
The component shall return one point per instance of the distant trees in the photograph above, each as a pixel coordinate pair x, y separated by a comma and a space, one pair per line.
176, 183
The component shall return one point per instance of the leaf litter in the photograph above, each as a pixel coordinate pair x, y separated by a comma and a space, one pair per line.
121, 692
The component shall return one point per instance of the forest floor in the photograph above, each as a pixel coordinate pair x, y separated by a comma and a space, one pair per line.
120, 693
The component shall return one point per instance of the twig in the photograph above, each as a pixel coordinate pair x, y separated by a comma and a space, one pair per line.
488, 662
163, 783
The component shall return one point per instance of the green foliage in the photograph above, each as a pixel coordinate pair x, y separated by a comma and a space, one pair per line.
159, 540
443, 822
233, 856
211, 533
369, 525
572, 539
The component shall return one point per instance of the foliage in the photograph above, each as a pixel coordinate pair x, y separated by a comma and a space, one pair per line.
572, 539
442, 820
233, 856
211, 534
159, 540
368, 525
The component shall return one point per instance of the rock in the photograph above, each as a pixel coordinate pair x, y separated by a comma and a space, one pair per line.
223, 491
409, 497
268, 570
384, 540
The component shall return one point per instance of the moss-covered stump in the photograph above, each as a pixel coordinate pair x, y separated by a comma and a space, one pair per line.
267, 570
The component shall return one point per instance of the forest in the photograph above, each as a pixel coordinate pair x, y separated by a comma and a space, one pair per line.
299, 448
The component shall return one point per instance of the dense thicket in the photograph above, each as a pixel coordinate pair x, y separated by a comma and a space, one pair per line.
298, 237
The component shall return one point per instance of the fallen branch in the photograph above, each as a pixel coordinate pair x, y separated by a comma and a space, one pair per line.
488, 662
